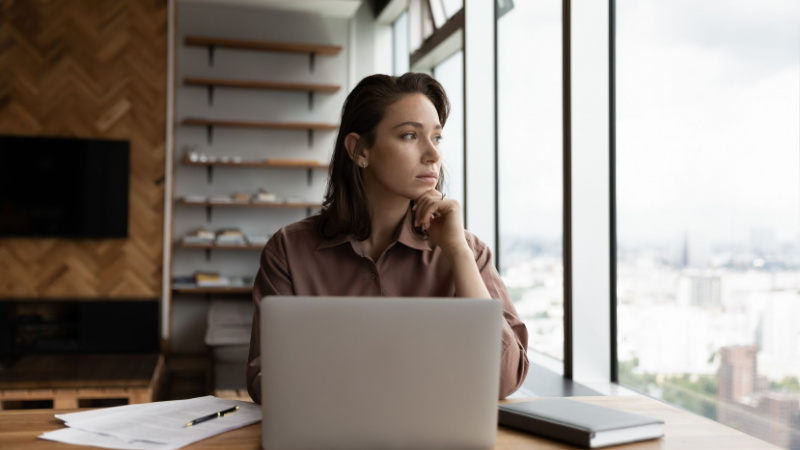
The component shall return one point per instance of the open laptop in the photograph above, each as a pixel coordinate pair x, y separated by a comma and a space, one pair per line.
379, 373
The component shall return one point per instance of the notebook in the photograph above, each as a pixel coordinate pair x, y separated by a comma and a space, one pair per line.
579, 423
367, 373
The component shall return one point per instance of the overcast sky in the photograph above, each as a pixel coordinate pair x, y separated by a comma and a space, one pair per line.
708, 118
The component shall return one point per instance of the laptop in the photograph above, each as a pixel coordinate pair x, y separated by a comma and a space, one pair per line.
380, 373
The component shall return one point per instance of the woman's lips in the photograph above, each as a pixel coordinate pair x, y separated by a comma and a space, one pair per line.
429, 177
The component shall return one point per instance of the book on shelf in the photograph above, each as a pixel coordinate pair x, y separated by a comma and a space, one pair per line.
199, 236
579, 423
241, 197
263, 196
182, 282
210, 279
230, 236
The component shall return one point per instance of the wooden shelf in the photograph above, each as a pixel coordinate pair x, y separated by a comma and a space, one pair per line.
221, 247
266, 164
242, 44
254, 205
270, 85
214, 290
252, 124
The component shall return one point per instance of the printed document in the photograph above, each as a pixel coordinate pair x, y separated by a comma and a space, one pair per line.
160, 425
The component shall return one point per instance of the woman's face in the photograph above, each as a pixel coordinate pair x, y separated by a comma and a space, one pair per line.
405, 160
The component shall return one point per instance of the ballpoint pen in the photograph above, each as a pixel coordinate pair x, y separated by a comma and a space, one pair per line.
213, 416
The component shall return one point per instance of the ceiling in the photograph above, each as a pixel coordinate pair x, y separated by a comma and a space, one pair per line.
327, 8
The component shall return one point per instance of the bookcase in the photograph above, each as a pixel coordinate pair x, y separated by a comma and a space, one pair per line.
258, 97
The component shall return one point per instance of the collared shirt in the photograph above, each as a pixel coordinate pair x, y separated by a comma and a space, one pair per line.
297, 260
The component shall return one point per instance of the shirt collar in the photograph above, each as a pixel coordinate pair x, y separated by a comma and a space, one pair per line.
406, 237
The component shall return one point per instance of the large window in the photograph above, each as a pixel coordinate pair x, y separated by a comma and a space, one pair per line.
708, 202
530, 168
450, 73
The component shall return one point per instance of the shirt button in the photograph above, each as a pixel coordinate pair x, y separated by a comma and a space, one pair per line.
372, 275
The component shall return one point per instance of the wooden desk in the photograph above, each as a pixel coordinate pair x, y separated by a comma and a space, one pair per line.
682, 430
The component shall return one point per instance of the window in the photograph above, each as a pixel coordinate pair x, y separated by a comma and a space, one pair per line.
450, 73
400, 42
708, 202
530, 168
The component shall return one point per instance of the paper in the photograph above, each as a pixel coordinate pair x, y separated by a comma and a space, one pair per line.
160, 425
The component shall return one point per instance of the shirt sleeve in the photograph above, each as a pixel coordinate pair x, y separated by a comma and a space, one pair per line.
273, 278
514, 362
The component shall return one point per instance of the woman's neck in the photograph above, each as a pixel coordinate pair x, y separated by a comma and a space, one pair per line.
386, 216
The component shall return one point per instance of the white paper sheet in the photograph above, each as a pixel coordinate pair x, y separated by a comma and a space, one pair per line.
160, 425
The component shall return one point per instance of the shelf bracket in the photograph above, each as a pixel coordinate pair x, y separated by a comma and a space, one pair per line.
209, 133
311, 57
310, 138
210, 95
310, 175
209, 174
310, 100
308, 212
210, 56
208, 213
208, 255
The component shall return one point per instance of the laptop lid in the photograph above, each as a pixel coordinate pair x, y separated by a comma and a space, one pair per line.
367, 373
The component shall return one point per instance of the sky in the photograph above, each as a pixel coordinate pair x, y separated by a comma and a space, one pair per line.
708, 119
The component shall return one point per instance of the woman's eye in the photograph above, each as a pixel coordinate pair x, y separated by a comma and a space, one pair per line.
408, 136
438, 139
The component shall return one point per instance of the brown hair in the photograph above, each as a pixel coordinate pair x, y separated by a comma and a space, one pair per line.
344, 209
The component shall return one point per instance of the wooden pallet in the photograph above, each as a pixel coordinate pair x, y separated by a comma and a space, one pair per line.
66, 380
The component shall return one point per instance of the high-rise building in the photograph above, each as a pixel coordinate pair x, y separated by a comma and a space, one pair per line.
743, 404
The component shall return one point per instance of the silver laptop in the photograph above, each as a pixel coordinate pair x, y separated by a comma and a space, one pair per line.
380, 373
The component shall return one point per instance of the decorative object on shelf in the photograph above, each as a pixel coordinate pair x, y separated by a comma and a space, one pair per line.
230, 236
264, 196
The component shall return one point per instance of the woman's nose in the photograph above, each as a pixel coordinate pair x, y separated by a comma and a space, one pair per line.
432, 153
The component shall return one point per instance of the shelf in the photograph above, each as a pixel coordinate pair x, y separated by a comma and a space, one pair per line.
212, 83
254, 205
269, 85
214, 290
252, 124
270, 46
220, 247
266, 164
211, 123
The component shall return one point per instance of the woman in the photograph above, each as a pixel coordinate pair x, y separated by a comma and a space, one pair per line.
385, 228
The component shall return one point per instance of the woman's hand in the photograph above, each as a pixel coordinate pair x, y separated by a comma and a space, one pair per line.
441, 218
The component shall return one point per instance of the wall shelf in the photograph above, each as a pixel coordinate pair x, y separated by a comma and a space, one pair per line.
265, 164
209, 205
214, 290
211, 123
269, 46
220, 246
212, 83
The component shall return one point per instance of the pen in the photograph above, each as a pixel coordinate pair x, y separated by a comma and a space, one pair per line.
213, 416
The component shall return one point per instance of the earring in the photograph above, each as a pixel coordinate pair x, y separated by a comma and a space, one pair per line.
363, 164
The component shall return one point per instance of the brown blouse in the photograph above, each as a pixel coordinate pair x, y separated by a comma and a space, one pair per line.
298, 261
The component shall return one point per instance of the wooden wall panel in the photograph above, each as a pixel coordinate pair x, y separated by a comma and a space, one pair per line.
89, 69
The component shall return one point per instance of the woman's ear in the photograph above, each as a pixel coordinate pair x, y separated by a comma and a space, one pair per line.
350, 143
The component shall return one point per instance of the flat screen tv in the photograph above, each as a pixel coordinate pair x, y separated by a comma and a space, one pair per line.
63, 187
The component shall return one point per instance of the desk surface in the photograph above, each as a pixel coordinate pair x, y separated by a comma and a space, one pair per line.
683, 430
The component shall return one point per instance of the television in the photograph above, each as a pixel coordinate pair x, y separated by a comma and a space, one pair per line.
63, 187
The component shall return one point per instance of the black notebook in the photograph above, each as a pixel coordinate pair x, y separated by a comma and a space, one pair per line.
578, 423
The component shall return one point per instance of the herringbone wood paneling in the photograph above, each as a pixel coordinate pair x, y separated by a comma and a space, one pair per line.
90, 69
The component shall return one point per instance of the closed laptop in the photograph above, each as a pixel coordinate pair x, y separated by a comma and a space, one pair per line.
369, 373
